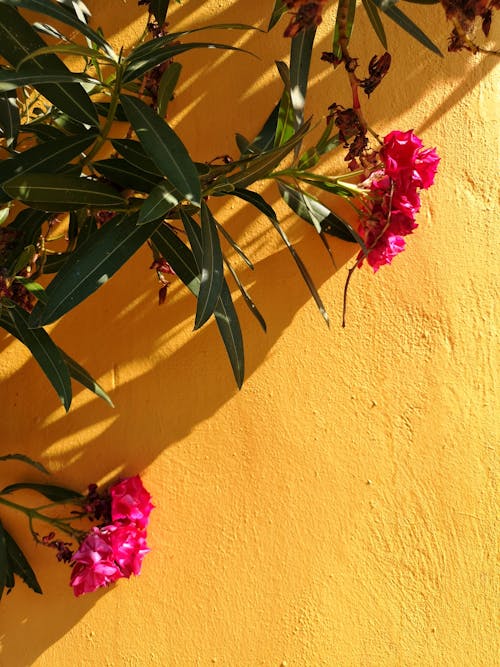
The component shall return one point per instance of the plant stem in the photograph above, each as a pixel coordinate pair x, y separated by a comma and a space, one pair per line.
33, 514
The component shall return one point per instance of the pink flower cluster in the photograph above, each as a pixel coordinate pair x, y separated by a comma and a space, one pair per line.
114, 550
393, 201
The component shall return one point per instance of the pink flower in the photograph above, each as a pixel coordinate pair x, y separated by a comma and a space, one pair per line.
94, 564
131, 502
129, 547
384, 250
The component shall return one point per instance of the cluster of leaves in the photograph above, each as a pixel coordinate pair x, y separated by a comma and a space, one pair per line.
54, 123
12, 559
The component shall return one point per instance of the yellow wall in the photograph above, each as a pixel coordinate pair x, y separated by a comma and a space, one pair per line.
339, 509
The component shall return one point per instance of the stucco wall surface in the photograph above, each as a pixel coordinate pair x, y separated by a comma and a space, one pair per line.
339, 509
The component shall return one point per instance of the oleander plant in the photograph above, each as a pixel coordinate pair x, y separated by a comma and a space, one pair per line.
77, 204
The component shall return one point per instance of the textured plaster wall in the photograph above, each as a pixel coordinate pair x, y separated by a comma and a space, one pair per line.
339, 509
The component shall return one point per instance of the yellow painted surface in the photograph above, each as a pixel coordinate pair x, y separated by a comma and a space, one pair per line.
339, 510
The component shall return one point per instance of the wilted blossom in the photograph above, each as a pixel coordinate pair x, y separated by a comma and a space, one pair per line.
116, 549
393, 198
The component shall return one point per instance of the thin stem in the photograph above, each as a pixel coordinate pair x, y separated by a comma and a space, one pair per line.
33, 514
346, 287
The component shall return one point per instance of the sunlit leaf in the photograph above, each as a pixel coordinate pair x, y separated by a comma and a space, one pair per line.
399, 17
79, 374
165, 148
374, 16
167, 86
161, 200
10, 80
285, 127
54, 493
212, 270
300, 62
25, 459
278, 10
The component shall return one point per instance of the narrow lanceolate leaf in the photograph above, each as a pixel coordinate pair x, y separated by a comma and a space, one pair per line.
264, 141
260, 203
246, 297
58, 192
54, 10
300, 61
4, 563
56, 494
25, 459
91, 266
134, 153
121, 173
161, 201
345, 18
168, 82
49, 157
372, 13
224, 312
165, 148
18, 40
159, 9
212, 269
19, 565
10, 80
9, 117
79, 374
278, 11
179, 256
399, 17
70, 50
43, 349
315, 213
285, 127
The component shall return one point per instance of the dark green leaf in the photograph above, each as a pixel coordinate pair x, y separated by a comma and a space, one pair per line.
59, 192
122, 173
264, 141
327, 186
48, 157
103, 110
313, 212
246, 296
9, 117
54, 10
43, 349
32, 286
234, 245
29, 222
160, 53
179, 256
79, 374
345, 7
70, 50
91, 266
300, 61
278, 11
374, 16
10, 80
134, 153
407, 24
25, 459
212, 269
165, 148
56, 494
17, 40
261, 205
43, 132
19, 564
159, 9
225, 314
4, 562
161, 200
167, 86
326, 143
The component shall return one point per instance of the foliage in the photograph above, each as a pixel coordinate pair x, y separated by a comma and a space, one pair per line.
55, 124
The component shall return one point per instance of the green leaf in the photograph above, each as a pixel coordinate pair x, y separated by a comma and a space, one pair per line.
19, 564
285, 127
4, 563
10, 79
43, 349
29, 222
278, 11
58, 192
300, 61
168, 82
159, 9
122, 173
179, 256
48, 157
159, 52
91, 266
17, 40
32, 286
224, 312
25, 459
234, 245
54, 10
374, 16
165, 148
260, 204
57, 494
161, 200
326, 143
312, 211
248, 300
212, 269
9, 117
394, 13
71, 50
79, 374
134, 153
264, 141
344, 6
260, 166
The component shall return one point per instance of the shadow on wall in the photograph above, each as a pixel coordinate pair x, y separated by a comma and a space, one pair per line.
179, 386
